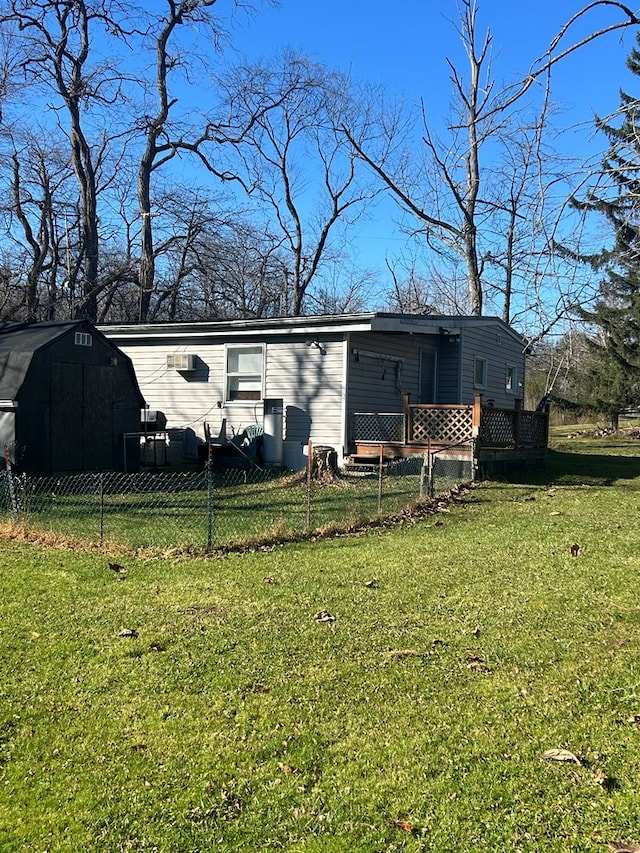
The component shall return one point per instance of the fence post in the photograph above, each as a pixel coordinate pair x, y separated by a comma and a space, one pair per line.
12, 493
101, 493
380, 479
432, 488
209, 467
307, 527
424, 474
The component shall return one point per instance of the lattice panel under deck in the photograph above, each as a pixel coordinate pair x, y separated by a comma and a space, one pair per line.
441, 424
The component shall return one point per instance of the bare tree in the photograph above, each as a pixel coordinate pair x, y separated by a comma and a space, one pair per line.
163, 141
56, 56
297, 135
450, 197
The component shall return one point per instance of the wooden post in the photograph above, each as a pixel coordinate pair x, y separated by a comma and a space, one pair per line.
518, 408
477, 416
380, 460
408, 426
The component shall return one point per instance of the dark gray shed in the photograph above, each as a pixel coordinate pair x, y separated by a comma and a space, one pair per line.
68, 395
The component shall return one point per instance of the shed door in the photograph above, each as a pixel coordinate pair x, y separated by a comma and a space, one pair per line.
428, 376
81, 417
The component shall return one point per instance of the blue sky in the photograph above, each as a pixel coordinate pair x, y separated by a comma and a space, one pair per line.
405, 45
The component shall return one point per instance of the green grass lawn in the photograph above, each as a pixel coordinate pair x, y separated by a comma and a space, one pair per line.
463, 647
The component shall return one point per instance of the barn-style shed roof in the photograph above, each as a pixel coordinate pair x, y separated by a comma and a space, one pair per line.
19, 342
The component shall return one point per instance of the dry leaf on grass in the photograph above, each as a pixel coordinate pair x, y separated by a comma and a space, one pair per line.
403, 653
601, 778
324, 616
286, 768
560, 755
128, 632
476, 663
372, 584
403, 824
622, 847
575, 549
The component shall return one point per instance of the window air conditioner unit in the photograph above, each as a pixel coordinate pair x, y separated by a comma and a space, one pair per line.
182, 361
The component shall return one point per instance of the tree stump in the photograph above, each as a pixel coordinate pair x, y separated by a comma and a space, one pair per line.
324, 464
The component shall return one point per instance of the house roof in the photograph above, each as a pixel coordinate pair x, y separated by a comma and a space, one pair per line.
329, 323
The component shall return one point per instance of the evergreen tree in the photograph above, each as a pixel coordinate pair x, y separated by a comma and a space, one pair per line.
610, 378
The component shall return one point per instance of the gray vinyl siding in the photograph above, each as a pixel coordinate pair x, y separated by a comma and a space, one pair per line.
376, 385
308, 382
500, 348
310, 385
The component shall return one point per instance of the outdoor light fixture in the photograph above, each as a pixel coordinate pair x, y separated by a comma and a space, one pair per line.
316, 343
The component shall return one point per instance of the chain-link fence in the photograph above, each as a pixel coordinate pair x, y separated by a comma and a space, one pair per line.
209, 508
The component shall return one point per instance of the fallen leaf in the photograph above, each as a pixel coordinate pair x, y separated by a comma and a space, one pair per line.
116, 567
403, 824
622, 847
476, 663
403, 653
128, 632
635, 720
575, 549
618, 644
601, 778
268, 579
286, 768
324, 616
372, 584
560, 755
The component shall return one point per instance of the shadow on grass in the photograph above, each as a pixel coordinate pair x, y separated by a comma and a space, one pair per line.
564, 468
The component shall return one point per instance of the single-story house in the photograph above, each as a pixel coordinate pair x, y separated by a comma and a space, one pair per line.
68, 396
318, 374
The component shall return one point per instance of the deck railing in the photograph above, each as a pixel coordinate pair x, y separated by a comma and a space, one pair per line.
420, 424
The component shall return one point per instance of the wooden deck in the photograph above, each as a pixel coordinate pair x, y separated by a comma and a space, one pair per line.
490, 438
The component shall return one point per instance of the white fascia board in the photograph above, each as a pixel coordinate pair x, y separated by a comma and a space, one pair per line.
142, 333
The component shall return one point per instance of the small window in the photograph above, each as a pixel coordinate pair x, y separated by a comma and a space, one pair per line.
83, 339
244, 373
480, 373
511, 380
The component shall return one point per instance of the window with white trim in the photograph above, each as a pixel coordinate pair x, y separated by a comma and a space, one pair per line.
479, 372
511, 379
244, 366
83, 339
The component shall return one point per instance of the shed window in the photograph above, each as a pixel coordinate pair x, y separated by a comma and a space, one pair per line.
480, 372
83, 339
244, 373
511, 380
